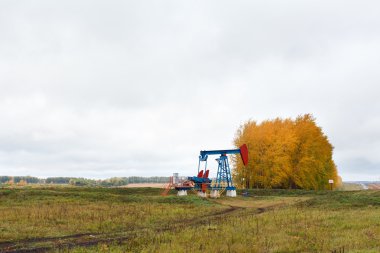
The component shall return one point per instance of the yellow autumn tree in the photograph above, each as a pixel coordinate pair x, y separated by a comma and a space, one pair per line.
285, 153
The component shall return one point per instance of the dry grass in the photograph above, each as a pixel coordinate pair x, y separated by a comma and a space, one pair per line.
51, 212
146, 185
265, 221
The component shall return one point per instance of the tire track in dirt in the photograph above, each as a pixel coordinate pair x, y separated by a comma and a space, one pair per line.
92, 239
89, 239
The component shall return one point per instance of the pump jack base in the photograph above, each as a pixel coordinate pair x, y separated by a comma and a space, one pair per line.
182, 193
231, 193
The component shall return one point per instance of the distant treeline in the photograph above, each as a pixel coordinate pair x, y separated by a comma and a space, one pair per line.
114, 181
17, 179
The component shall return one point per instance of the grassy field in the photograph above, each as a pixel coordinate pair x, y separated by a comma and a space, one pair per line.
76, 219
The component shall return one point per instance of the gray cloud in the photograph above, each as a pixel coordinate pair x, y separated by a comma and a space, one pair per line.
138, 88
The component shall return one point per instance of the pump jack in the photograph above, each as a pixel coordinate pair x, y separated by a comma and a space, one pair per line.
223, 180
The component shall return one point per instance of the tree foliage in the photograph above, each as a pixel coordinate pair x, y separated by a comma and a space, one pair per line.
285, 153
17, 179
58, 180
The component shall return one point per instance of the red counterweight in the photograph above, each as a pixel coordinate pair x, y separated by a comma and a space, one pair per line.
244, 154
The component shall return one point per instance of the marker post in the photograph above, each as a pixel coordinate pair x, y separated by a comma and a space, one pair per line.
331, 182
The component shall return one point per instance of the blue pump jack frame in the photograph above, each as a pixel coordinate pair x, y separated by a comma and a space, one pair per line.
224, 172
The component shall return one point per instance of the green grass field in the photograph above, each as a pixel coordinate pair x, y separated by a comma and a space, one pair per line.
76, 219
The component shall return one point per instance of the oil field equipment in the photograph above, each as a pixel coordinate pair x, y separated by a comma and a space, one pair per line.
223, 182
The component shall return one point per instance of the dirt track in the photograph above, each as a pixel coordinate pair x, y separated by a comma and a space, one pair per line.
374, 186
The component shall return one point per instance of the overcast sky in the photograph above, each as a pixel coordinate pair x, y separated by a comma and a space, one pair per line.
121, 88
